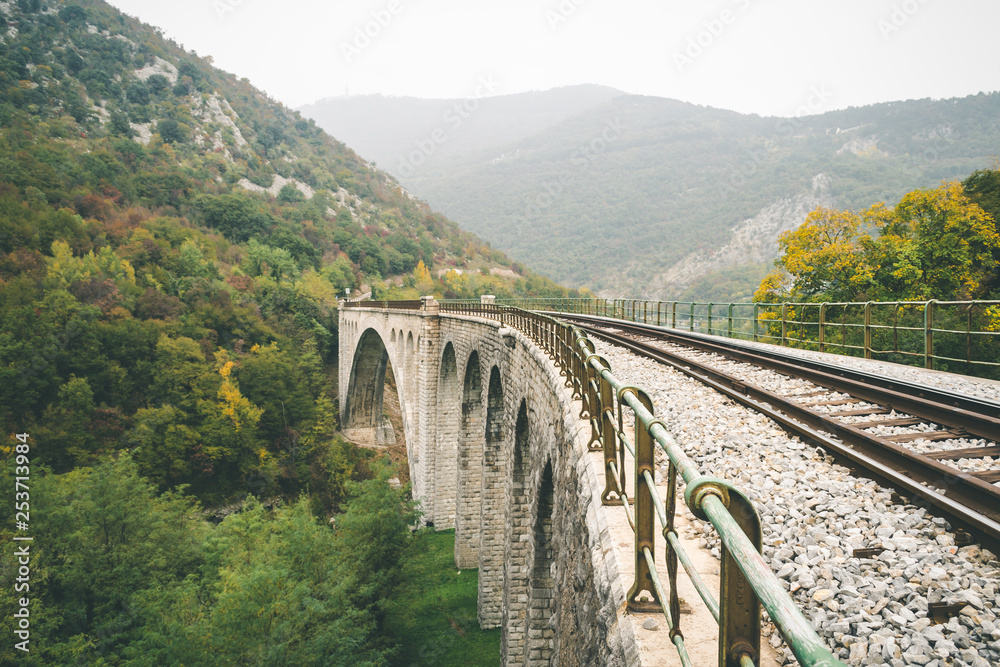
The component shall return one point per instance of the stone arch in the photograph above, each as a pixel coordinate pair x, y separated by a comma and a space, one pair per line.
363, 410
470, 461
446, 445
491, 535
540, 644
515, 588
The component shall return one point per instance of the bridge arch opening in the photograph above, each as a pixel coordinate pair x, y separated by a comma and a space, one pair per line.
470, 467
491, 536
446, 446
368, 418
517, 546
540, 645
411, 362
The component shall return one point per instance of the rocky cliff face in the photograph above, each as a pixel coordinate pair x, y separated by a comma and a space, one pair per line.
754, 241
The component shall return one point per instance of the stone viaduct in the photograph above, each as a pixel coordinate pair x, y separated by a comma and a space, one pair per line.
497, 451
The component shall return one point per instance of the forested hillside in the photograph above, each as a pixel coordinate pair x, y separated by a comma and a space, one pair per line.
172, 247
655, 197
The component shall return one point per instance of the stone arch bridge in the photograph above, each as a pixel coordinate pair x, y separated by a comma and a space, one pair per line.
496, 451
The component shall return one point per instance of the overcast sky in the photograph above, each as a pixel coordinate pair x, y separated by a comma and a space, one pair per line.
777, 57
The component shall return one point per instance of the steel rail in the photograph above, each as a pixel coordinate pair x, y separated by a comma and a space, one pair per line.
974, 502
978, 416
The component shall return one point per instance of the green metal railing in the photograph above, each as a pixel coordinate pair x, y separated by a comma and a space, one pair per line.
747, 582
946, 335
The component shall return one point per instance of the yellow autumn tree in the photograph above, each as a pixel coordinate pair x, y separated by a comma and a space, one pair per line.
64, 268
935, 244
234, 406
824, 254
946, 243
422, 278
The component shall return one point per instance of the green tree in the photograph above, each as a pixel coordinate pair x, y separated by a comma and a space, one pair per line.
119, 125
374, 534
271, 379
273, 593
237, 216
163, 443
171, 131
65, 426
263, 260
941, 241
110, 540
290, 194
182, 377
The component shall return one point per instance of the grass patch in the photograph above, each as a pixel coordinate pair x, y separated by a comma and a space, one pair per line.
434, 617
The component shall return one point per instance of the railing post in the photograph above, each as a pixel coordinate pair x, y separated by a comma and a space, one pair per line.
710, 304
784, 324
659, 305
729, 326
739, 605
642, 597
611, 495
673, 318
691, 318
739, 609
968, 339
669, 531
895, 327
822, 326
929, 334
868, 330
756, 316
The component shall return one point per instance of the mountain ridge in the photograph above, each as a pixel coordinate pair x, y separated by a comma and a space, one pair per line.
679, 179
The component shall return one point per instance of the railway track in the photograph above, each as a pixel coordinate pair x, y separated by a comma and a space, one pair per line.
931, 444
